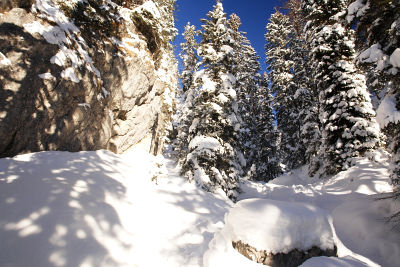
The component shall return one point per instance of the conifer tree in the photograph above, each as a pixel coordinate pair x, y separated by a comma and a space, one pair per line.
348, 121
188, 55
190, 60
306, 95
281, 62
245, 68
378, 38
214, 159
266, 160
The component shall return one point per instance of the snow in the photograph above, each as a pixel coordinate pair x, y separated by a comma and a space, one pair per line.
46, 76
279, 226
387, 111
372, 54
149, 7
98, 208
4, 60
395, 58
356, 9
69, 74
333, 262
65, 35
202, 142
102, 209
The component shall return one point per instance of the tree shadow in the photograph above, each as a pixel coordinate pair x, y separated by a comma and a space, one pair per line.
56, 212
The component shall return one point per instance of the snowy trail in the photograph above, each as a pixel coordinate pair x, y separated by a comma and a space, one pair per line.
102, 209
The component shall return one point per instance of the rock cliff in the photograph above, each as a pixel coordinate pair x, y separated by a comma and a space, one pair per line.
85, 75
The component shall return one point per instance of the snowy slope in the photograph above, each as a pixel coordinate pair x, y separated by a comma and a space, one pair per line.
102, 209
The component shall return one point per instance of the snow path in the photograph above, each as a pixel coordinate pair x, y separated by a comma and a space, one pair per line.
101, 209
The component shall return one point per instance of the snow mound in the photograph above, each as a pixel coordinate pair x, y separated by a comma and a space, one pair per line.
270, 225
361, 223
333, 262
278, 226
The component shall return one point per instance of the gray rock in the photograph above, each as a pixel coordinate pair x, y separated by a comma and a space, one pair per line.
293, 258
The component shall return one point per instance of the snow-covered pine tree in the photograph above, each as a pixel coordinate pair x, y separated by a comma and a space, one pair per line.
214, 159
306, 96
266, 163
280, 61
188, 55
378, 39
190, 62
245, 69
348, 121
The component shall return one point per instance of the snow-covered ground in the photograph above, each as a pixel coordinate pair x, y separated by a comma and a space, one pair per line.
102, 209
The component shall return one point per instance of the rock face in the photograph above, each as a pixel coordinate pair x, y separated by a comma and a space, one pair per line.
6, 5
65, 89
293, 258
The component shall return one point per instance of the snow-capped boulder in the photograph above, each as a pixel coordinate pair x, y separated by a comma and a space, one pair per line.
274, 233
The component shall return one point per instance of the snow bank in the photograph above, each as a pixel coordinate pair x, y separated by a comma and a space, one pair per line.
333, 262
361, 226
351, 198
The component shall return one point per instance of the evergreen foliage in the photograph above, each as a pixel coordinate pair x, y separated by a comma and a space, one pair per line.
190, 60
284, 59
348, 121
214, 159
266, 163
378, 38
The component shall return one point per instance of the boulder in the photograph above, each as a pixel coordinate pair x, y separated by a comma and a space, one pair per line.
279, 233
292, 258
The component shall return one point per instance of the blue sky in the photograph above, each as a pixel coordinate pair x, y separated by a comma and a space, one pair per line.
253, 13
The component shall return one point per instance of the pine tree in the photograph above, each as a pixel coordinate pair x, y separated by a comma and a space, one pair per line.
306, 95
266, 163
214, 159
245, 69
190, 60
281, 62
378, 38
188, 55
348, 121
